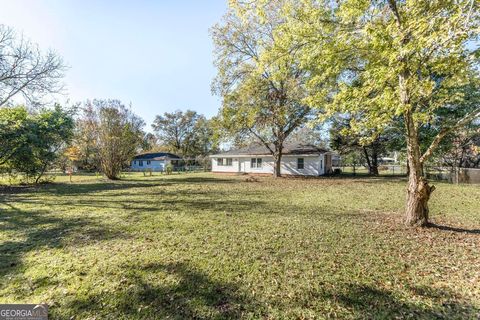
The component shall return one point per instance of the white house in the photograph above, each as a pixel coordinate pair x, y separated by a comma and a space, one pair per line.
155, 161
297, 159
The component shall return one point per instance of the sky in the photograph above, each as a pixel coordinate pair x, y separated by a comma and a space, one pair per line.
155, 54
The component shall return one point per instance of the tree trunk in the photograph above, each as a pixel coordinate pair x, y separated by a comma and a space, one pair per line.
374, 162
418, 194
367, 157
277, 159
418, 190
110, 170
44, 168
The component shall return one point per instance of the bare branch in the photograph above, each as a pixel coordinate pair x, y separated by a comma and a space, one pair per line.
25, 70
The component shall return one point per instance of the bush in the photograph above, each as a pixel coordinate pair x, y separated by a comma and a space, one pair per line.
29, 141
337, 171
169, 168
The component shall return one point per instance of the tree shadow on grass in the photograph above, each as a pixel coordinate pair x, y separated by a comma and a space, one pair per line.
158, 291
110, 185
363, 175
88, 188
189, 200
368, 302
189, 180
179, 291
453, 229
371, 179
42, 230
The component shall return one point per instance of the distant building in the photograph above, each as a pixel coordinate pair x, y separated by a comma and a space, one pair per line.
155, 161
387, 160
297, 159
336, 160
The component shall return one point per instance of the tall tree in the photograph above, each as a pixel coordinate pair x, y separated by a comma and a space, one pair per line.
393, 59
187, 133
25, 70
309, 135
149, 142
85, 138
261, 86
174, 128
119, 135
202, 141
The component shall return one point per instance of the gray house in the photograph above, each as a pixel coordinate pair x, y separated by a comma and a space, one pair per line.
155, 161
297, 159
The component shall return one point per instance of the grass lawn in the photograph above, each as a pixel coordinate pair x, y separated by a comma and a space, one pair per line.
207, 246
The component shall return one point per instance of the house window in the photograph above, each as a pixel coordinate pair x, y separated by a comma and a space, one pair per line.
300, 163
256, 163
140, 163
219, 161
229, 162
134, 162
148, 162
321, 163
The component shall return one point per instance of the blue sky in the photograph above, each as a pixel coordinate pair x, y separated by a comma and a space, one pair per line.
155, 54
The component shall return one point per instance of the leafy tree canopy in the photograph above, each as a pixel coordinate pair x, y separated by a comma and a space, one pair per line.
33, 139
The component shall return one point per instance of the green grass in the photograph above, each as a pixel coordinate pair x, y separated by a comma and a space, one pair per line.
206, 246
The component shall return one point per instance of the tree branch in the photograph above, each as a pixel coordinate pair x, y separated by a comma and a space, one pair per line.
393, 6
444, 131
267, 145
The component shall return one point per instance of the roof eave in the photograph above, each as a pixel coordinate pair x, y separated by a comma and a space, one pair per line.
266, 155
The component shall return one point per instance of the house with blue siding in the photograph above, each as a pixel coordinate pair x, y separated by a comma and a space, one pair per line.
154, 161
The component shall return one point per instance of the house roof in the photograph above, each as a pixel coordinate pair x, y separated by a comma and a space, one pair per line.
156, 156
257, 149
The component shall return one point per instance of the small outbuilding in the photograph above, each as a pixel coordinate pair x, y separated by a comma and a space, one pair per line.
297, 159
154, 161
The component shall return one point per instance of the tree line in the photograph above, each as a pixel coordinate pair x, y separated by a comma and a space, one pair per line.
100, 135
94, 136
404, 73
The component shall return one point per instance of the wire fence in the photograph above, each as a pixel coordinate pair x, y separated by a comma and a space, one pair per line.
437, 173
453, 174
175, 169
390, 170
